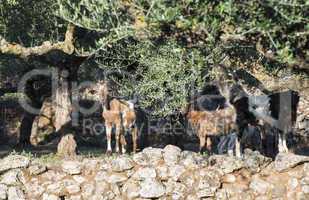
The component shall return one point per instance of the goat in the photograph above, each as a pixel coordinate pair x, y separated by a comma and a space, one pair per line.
208, 122
120, 114
278, 110
212, 123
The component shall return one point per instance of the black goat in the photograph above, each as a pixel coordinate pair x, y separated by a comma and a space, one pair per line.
278, 110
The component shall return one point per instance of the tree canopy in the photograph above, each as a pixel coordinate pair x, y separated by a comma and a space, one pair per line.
163, 45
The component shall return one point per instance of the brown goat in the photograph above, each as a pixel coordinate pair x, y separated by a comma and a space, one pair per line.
121, 115
211, 123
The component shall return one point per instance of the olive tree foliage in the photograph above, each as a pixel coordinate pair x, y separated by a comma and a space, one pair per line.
109, 21
130, 40
168, 72
167, 45
29, 23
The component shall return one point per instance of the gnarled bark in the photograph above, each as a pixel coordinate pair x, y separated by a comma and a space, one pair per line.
66, 46
60, 55
62, 101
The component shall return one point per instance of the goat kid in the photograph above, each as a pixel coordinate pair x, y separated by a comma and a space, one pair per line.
118, 114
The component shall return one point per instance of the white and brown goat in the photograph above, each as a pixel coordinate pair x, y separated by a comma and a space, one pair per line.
118, 114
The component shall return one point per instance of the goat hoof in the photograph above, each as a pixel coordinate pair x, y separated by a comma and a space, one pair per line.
109, 152
283, 151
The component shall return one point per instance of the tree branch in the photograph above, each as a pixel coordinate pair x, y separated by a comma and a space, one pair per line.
67, 46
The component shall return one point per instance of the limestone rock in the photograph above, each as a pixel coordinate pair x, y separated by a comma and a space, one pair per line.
175, 189
37, 169
15, 193
278, 191
53, 175
50, 197
43, 124
71, 186
189, 178
75, 197
285, 161
3, 192
116, 178
101, 176
154, 155
111, 177
192, 197
115, 189
56, 188
67, 146
88, 190
192, 160
131, 189
73, 189
92, 165
79, 179
227, 164
13, 162
176, 171
302, 196
11, 177
208, 185
254, 161
34, 190
259, 186
144, 173
156, 174
228, 178
171, 154
305, 189
293, 183
141, 159
121, 164
306, 169
151, 188
162, 172
101, 187
71, 167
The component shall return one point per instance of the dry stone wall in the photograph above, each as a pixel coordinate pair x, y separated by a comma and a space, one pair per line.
156, 173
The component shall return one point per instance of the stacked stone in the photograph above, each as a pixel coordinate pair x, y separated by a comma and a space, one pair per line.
156, 173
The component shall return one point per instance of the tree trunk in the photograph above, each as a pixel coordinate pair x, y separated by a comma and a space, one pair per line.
25, 129
62, 99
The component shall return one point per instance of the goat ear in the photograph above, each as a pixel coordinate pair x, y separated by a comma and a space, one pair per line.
135, 98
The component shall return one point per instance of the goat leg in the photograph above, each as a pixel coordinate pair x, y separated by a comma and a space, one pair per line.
280, 143
237, 148
285, 147
123, 143
109, 138
202, 142
118, 133
134, 138
263, 136
208, 144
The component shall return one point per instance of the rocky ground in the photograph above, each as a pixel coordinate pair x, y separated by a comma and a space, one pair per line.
155, 173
